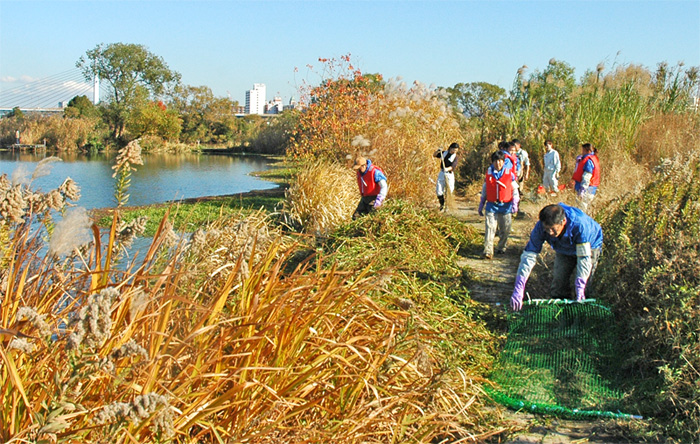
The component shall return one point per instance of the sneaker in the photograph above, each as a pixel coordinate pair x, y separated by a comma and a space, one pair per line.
487, 256
501, 251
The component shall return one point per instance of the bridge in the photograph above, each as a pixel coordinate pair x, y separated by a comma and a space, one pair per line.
49, 95
52, 94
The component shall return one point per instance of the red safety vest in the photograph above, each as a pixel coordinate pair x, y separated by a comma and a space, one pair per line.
499, 190
368, 187
513, 159
578, 174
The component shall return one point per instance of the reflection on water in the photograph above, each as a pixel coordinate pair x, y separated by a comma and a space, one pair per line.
161, 178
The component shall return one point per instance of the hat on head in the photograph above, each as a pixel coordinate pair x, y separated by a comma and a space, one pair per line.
359, 161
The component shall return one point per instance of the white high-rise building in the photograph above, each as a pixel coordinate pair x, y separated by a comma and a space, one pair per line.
255, 99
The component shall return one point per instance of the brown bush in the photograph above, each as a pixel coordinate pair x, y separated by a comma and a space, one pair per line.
665, 135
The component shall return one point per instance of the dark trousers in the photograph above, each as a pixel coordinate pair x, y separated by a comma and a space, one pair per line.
365, 206
565, 271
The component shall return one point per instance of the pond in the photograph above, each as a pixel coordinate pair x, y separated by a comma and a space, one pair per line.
162, 177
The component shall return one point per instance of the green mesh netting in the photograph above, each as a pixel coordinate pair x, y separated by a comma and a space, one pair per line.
560, 358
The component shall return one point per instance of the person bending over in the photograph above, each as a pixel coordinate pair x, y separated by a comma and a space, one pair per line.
577, 240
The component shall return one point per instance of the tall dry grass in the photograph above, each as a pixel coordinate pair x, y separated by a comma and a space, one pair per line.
322, 196
651, 277
408, 123
58, 132
212, 339
664, 136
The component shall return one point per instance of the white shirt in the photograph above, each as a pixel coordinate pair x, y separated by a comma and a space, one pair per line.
551, 161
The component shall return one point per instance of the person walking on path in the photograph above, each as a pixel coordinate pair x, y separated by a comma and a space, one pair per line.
552, 167
524, 164
577, 240
586, 176
18, 139
446, 177
373, 186
512, 163
497, 200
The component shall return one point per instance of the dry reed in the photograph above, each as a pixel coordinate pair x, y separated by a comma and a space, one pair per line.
215, 342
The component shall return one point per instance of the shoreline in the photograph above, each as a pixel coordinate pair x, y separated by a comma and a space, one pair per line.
98, 213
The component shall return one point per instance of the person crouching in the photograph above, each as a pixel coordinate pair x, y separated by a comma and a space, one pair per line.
373, 186
497, 200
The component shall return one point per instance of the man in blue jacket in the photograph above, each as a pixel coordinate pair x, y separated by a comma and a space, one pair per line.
577, 240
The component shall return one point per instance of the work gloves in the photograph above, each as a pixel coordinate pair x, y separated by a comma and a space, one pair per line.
516, 299
481, 205
580, 289
378, 201
516, 204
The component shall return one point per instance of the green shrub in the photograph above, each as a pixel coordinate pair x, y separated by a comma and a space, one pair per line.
651, 275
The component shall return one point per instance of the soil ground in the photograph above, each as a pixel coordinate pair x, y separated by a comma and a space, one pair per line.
493, 284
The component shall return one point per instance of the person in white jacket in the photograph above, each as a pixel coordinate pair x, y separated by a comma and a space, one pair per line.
552, 167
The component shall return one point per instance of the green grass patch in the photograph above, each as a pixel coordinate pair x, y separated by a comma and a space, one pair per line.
188, 216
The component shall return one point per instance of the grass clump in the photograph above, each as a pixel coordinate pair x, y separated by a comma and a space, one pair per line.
651, 276
322, 196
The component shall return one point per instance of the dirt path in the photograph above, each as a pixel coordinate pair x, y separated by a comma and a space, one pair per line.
493, 284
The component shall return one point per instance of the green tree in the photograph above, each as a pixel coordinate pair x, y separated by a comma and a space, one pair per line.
132, 73
81, 106
481, 103
205, 117
17, 113
154, 119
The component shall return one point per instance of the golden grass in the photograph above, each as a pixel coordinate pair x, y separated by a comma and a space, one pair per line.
322, 195
213, 341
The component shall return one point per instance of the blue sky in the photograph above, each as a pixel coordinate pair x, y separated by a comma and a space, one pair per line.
229, 45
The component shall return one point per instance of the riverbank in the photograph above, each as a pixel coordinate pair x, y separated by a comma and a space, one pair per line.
196, 211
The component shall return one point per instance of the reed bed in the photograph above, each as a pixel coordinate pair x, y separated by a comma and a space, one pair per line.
651, 277
59, 133
222, 337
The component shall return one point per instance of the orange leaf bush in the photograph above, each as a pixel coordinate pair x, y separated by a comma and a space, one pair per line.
397, 126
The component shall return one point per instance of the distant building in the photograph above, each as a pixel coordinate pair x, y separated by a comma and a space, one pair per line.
292, 104
274, 106
255, 99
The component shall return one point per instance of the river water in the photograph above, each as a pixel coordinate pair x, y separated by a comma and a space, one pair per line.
162, 177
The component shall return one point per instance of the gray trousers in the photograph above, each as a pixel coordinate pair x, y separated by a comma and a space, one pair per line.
565, 272
496, 223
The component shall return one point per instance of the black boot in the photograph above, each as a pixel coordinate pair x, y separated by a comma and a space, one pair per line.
442, 202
